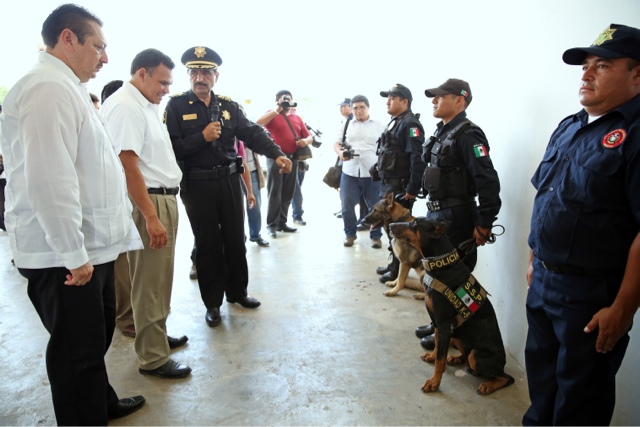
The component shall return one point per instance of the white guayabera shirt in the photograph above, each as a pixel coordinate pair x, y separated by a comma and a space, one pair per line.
66, 200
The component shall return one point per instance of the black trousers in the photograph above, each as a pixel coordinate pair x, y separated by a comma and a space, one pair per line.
215, 208
81, 321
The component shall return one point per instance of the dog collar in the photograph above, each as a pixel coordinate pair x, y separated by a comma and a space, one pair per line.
441, 261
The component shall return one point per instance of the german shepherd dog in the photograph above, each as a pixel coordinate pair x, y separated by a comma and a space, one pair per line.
478, 336
383, 213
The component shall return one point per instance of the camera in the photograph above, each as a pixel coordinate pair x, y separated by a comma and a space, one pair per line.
316, 136
348, 154
286, 103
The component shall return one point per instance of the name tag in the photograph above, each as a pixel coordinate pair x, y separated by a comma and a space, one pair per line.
189, 116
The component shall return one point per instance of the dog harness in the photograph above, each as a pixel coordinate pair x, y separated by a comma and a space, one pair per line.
467, 299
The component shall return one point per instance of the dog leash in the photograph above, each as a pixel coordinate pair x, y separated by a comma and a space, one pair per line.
469, 245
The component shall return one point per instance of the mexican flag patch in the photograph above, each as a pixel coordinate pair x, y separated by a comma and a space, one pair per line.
480, 151
414, 132
467, 300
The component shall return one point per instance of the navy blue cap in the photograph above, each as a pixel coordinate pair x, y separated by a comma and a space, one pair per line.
616, 41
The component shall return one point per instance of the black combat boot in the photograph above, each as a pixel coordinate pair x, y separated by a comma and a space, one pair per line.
392, 274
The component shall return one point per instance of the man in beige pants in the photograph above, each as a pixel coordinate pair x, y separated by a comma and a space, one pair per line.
153, 177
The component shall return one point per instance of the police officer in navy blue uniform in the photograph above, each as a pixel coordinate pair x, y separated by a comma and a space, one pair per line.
203, 128
459, 169
584, 272
400, 165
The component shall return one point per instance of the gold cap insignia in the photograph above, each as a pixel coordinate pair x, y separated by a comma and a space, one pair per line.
604, 36
226, 115
200, 52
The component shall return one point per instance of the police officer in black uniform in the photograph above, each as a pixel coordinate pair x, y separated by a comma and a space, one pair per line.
400, 165
203, 128
459, 169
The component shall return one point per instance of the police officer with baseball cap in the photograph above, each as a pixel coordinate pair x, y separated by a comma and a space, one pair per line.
203, 128
583, 275
459, 169
400, 165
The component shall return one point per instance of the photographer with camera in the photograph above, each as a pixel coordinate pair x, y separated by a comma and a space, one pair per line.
357, 150
288, 132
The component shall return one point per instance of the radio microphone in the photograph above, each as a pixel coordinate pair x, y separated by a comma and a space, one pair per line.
215, 112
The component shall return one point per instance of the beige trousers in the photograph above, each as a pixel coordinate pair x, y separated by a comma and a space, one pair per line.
124, 312
151, 272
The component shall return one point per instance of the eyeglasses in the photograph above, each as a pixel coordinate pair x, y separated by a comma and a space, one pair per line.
99, 49
194, 72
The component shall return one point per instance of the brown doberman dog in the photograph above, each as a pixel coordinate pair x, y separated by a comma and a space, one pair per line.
458, 306
383, 213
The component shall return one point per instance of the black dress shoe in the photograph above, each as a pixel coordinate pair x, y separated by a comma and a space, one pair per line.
425, 331
272, 232
382, 270
177, 342
286, 229
171, 370
260, 241
246, 302
213, 316
428, 342
125, 406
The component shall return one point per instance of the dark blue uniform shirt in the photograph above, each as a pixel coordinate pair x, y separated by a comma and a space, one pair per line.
586, 211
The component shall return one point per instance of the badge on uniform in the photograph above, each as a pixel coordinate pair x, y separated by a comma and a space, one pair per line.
193, 116
614, 138
414, 132
226, 115
480, 151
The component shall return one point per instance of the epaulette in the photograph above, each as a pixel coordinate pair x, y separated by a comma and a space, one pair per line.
177, 94
223, 97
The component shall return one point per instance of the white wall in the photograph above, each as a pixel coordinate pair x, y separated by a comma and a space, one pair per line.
509, 51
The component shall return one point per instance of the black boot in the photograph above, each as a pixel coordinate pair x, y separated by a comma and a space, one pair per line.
392, 274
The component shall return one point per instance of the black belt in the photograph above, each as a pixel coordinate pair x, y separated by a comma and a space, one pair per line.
570, 269
165, 191
215, 173
436, 205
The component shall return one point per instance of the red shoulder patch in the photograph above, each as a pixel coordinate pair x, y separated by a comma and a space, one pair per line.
614, 139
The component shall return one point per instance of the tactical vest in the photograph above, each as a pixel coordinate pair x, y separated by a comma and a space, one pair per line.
446, 175
393, 160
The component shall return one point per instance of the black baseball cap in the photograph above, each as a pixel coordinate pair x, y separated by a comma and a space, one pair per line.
398, 90
201, 57
347, 101
616, 41
451, 86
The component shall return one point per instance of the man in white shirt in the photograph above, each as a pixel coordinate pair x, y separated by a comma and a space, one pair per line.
153, 177
358, 155
67, 213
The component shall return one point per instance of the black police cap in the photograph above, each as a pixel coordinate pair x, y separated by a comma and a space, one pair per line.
398, 90
201, 57
451, 86
616, 41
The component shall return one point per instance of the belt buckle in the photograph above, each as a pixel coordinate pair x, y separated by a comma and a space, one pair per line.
164, 191
434, 205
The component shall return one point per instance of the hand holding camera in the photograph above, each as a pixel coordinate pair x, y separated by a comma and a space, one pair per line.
347, 153
286, 104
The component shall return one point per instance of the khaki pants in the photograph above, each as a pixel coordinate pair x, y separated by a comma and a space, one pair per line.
124, 312
151, 272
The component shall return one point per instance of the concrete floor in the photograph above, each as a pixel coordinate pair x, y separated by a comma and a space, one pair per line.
325, 348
